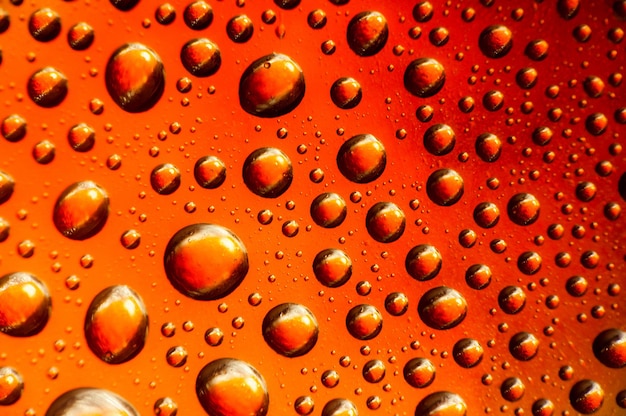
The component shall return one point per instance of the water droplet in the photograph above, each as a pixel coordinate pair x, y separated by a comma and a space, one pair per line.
25, 304
7, 185
44, 24
165, 406
586, 396
419, 372
346, 93
374, 371
11, 386
609, 347
495, 41
231, 387
512, 389
84, 401
537, 50
198, 15
529, 263
364, 322
441, 403
444, 187
576, 286
340, 407
396, 303
290, 329
135, 77
423, 11
165, 14
81, 210
442, 308
568, 9
526, 78
385, 222
512, 299
488, 147
271, 86
165, 179
176, 356
424, 77
287, 4
362, 158
205, 261
523, 209
332, 267
367, 33
423, 262
317, 19
80, 36
47, 87
523, 346
586, 191
543, 407
439, 139
486, 215
116, 324
210, 172
328, 210
130, 239
214, 337
240, 29
13, 128
44, 152
304, 405
81, 137
5, 20
467, 352
201, 57
267, 172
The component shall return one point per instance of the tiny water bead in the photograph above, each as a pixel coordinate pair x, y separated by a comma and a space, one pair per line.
11, 386
201, 57
84, 401
116, 324
419, 372
332, 267
267, 172
25, 304
364, 322
367, 33
423, 262
135, 77
362, 158
290, 329
424, 77
232, 387
271, 86
385, 222
441, 403
205, 261
47, 87
81, 210
442, 308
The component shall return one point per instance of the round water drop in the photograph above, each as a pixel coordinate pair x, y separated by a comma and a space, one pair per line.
332, 267
198, 15
201, 57
124, 5
165, 14
271, 86
364, 322
231, 387
423, 262
240, 29
523, 209
512, 299
165, 179
346, 93
385, 222
210, 172
442, 308
362, 158
543, 407
419, 372
439, 139
135, 77
47, 87
478, 276
81, 210
328, 210
304, 405
81, 137
586, 396
441, 403
467, 352
290, 329
90, 401
523, 346
512, 389
176, 356
609, 347
340, 407
80, 36
529, 263
445, 187
424, 77
116, 324
165, 406
267, 172
44, 24
486, 214
495, 41
488, 147
396, 303
11, 386
7, 185
25, 304
367, 33
374, 371
205, 261
13, 128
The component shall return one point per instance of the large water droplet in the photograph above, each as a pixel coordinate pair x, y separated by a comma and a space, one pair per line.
25, 304
290, 329
328, 210
385, 222
495, 41
267, 172
205, 261
586, 396
442, 308
424, 77
367, 33
81, 210
419, 372
445, 187
332, 267
523, 209
364, 322
90, 401
609, 347
362, 158
47, 87
441, 403
423, 262
11, 386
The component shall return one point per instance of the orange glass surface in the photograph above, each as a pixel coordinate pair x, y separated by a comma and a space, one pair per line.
325, 207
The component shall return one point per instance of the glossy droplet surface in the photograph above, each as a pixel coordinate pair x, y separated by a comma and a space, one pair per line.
81, 137
332, 267
290, 329
80, 36
385, 222
13, 128
116, 324
419, 372
478, 276
439, 139
512, 299
198, 15
346, 93
423, 262
364, 322
7, 185
165, 179
47, 87
442, 308
367, 33
523, 209
240, 29
362, 158
609, 347
267, 172
441, 403
424, 77
135, 77
11, 386
586, 397
445, 187
201, 57
523, 346
340, 407
44, 24
90, 401
232, 387
205, 261
495, 41
25, 304
271, 86
209, 172
81, 210
467, 352
328, 210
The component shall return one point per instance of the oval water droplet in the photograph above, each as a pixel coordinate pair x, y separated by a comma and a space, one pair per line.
346, 93
467, 352
209, 172
445, 187
364, 322
332, 267
495, 41
423, 262
442, 308
25, 304
441, 403
81, 210
586, 397
385, 222
609, 347
47, 87
328, 210
419, 372
11, 386
290, 329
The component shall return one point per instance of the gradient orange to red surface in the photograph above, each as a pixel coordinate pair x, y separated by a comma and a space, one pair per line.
430, 246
